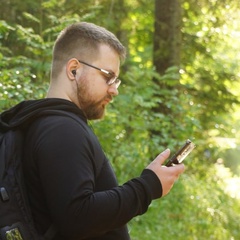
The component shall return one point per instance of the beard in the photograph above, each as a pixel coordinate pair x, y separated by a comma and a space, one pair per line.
93, 109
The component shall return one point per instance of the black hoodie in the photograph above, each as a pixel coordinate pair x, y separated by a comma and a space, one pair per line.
27, 111
69, 180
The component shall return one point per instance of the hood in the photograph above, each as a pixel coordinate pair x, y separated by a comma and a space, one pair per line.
26, 111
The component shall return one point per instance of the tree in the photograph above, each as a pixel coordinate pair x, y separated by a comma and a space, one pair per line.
167, 35
167, 62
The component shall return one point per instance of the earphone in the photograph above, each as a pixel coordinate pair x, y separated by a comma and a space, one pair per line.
74, 73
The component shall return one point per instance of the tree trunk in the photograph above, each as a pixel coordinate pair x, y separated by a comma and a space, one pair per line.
166, 54
167, 35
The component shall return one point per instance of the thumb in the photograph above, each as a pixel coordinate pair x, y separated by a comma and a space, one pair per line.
163, 156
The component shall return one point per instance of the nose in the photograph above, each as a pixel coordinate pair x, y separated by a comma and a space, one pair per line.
112, 90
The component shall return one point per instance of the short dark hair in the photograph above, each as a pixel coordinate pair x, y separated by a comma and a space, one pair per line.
81, 40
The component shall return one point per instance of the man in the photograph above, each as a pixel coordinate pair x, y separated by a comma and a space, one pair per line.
70, 181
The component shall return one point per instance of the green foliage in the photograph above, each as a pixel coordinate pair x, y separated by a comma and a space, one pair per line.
202, 99
193, 210
210, 44
19, 74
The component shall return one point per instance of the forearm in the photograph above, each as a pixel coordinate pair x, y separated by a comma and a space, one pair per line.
103, 211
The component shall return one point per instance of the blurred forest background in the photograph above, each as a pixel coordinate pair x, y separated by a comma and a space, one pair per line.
181, 80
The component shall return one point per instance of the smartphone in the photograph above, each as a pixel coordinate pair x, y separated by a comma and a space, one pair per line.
181, 154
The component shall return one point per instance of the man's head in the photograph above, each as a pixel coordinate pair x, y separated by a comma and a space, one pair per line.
85, 66
82, 41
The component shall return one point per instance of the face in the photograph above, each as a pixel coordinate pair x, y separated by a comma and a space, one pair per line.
93, 93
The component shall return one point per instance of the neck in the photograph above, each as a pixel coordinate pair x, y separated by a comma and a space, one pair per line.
63, 92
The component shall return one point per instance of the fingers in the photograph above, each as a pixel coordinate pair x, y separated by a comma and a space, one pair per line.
163, 156
166, 175
180, 168
159, 160
176, 170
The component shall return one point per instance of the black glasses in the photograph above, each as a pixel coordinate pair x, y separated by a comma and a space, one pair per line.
112, 79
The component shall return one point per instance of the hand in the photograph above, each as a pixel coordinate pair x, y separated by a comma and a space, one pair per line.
166, 175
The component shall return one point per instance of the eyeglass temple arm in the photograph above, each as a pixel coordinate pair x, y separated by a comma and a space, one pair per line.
100, 69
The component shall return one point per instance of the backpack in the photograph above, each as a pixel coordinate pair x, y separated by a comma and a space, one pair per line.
16, 221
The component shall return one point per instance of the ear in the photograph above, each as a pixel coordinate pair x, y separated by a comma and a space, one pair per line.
71, 68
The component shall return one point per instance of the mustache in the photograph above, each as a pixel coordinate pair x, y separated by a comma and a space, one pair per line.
108, 97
